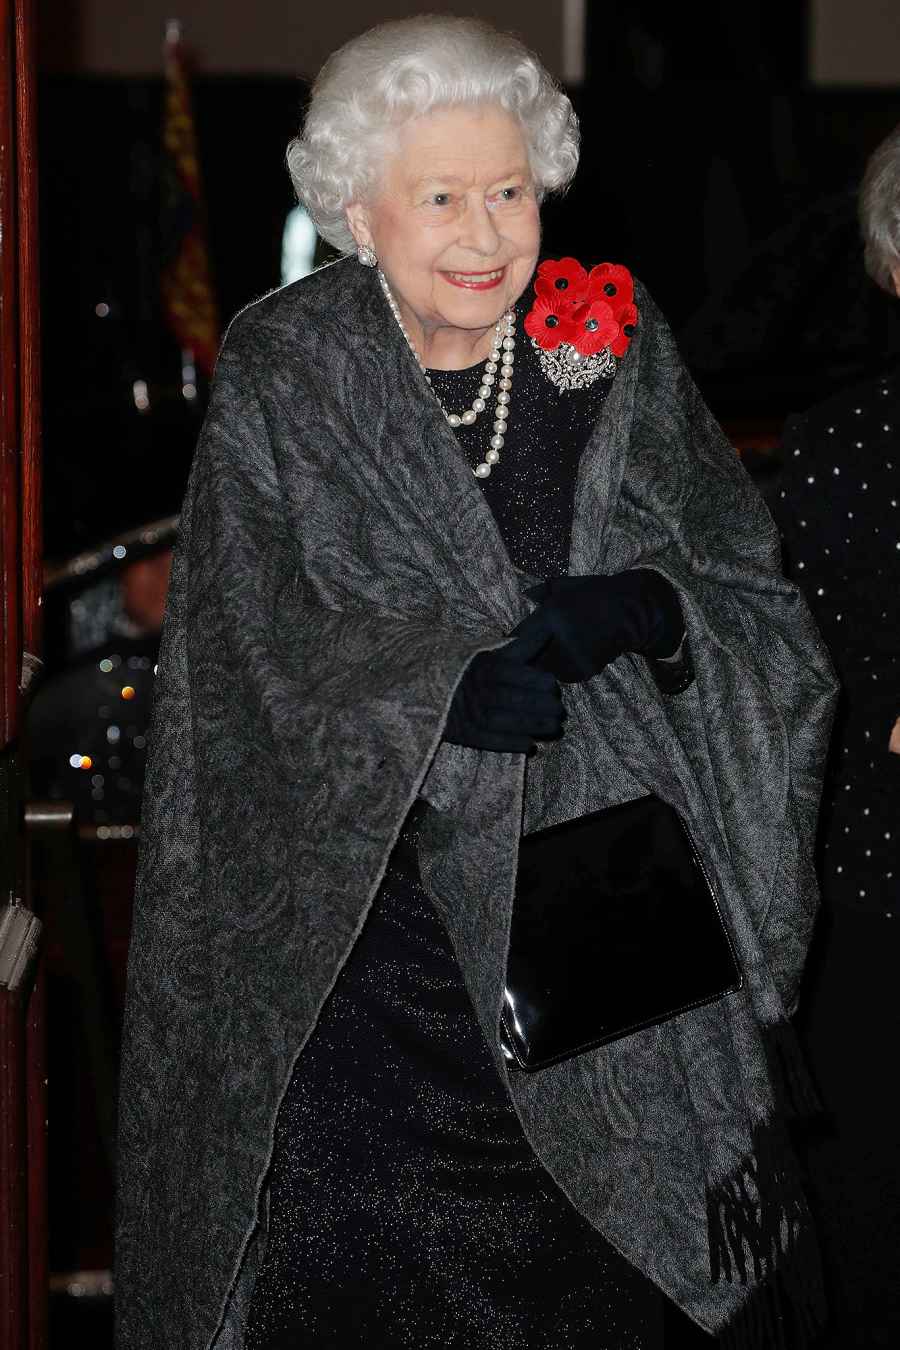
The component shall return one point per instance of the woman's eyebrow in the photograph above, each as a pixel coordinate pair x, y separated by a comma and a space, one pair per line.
453, 180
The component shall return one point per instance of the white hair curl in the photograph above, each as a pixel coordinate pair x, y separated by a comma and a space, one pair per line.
879, 211
397, 71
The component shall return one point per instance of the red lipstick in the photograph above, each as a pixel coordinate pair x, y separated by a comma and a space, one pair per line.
476, 281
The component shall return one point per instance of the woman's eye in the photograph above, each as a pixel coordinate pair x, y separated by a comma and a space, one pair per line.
508, 196
440, 199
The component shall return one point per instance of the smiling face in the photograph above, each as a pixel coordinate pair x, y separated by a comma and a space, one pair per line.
456, 228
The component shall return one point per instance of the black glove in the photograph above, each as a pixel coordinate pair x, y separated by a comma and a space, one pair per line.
503, 703
589, 621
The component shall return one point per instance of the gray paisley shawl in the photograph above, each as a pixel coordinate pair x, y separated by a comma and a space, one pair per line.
336, 570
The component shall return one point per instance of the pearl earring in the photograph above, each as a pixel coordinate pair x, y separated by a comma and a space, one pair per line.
367, 255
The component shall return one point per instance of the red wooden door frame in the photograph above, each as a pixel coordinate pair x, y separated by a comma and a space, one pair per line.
23, 1163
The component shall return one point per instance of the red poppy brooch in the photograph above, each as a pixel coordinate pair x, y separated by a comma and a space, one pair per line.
581, 322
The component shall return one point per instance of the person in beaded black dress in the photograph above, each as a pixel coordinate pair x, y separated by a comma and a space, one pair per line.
838, 507
406, 1205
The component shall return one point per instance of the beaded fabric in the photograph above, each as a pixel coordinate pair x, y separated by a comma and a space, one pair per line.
839, 513
838, 508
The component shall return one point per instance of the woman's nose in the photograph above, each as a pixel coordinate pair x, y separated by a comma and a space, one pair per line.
478, 231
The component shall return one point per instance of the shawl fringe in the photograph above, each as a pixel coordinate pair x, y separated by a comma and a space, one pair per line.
796, 1097
761, 1234
779, 1315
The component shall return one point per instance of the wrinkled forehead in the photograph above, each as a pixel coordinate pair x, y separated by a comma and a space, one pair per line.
456, 147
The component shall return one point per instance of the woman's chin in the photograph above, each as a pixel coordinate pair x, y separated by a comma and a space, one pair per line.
476, 316
475, 309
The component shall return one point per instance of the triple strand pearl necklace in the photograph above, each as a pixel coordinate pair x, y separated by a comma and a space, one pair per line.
500, 362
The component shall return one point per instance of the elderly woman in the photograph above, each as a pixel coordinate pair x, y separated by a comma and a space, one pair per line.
449, 506
839, 510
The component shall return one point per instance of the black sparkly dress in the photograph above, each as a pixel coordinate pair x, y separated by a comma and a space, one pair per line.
406, 1208
839, 513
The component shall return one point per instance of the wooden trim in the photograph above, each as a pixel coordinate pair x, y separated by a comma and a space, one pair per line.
23, 1163
37, 1251
10, 638
29, 323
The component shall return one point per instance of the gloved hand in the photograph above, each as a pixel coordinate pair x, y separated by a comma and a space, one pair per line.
503, 703
589, 621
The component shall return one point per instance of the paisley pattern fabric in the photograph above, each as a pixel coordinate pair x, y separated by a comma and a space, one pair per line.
337, 568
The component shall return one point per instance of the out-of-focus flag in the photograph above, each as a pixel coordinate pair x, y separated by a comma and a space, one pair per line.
188, 299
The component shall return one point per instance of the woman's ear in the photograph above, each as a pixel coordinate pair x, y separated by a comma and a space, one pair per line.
358, 220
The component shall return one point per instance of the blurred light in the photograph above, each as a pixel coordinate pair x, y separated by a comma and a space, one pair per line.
128, 691
106, 665
112, 735
298, 246
115, 832
574, 20
75, 761
188, 375
119, 551
141, 395
101, 310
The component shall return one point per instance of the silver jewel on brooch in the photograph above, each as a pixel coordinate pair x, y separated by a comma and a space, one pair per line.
367, 256
568, 369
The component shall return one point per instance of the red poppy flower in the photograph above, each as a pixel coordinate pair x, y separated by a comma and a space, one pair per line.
563, 280
594, 327
626, 321
613, 283
549, 321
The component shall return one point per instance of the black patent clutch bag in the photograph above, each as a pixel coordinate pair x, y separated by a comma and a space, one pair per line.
615, 927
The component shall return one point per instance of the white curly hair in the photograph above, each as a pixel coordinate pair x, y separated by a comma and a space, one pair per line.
398, 71
879, 212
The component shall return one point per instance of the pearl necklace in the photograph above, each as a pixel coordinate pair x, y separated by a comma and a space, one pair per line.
500, 361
